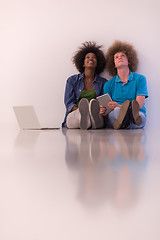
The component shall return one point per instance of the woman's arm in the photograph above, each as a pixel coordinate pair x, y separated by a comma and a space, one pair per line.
140, 100
74, 108
70, 98
111, 105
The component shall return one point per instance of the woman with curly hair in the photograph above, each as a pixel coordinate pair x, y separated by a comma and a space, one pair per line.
82, 110
127, 89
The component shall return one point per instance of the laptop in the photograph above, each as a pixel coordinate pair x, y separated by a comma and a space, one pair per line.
27, 118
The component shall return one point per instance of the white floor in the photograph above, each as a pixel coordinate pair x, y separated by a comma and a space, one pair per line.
75, 184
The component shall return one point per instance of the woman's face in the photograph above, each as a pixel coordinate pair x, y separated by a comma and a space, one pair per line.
90, 61
120, 59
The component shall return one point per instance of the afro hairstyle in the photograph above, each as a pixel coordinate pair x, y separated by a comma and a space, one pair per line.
126, 48
89, 47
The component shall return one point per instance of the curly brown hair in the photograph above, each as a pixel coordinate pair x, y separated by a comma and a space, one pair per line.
126, 48
89, 47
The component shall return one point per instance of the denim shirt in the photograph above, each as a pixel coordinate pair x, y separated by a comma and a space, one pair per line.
74, 86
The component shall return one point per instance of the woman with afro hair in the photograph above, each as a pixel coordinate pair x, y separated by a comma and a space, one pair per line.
82, 109
127, 89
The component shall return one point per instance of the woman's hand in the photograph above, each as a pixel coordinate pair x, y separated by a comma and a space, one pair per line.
140, 100
112, 105
74, 108
102, 111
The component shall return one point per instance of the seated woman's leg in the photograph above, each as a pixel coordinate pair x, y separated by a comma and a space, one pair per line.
80, 118
73, 119
96, 119
134, 126
120, 117
112, 116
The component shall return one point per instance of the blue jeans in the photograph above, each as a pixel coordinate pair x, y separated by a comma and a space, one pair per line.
113, 115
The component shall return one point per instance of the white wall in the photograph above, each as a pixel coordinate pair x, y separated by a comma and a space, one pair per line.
39, 37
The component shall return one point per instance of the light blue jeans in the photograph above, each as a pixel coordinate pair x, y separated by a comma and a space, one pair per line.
113, 115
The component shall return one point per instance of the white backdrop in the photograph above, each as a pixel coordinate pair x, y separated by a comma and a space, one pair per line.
38, 39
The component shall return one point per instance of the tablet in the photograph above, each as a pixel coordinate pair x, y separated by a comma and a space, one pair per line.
103, 100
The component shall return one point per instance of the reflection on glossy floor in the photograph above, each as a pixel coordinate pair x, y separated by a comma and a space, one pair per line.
75, 184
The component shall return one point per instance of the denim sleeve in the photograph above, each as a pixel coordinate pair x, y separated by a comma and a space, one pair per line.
70, 96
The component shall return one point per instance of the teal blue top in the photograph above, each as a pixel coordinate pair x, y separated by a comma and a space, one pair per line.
119, 92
